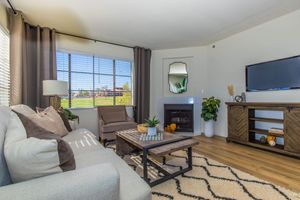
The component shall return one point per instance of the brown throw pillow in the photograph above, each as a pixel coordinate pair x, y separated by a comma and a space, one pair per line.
50, 120
62, 115
65, 153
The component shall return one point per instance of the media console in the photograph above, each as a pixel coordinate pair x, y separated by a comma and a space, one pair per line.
242, 128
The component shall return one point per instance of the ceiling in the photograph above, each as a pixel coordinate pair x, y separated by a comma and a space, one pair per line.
155, 24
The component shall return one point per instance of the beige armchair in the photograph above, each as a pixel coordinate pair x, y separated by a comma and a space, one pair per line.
112, 119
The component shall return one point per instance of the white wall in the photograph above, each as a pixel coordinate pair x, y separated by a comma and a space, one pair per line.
73, 44
196, 60
88, 116
214, 68
276, 39
3, 15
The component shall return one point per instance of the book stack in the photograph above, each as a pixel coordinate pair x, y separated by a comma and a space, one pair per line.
277, 131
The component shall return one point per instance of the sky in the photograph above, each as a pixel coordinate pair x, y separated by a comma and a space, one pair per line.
82, 71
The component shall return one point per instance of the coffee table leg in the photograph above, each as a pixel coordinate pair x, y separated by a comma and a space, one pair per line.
190, 158
145, 168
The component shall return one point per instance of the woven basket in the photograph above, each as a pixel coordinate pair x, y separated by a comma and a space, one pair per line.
142, 128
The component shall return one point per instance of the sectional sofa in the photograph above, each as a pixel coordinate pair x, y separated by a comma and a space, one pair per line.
100, 174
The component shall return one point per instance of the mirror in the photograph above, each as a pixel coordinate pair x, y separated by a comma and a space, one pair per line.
178, 77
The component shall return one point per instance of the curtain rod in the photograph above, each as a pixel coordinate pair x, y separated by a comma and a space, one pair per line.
11, 6
95, 40
77, 36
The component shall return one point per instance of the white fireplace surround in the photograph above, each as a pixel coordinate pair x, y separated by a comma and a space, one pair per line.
196, 101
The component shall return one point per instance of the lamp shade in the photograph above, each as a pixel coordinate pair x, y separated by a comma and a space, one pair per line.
54, 87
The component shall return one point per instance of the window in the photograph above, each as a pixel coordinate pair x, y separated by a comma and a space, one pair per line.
94, 81
4, 68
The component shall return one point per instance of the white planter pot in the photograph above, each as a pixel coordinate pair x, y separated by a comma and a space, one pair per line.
152, 131
209, 128
74, 124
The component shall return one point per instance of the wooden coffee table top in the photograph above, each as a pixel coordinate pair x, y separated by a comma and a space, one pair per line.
169, 141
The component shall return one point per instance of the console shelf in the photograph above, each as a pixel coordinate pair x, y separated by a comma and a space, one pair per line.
265, 132
280, 121
242, 126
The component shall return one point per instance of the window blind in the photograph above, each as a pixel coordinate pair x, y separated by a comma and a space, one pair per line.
4, 68
94, 81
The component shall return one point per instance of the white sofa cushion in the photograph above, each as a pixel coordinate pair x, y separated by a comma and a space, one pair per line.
4, 119
88, 152
29, 158
82, 141
132, 186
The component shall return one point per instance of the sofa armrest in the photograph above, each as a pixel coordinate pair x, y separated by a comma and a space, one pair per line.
99, 182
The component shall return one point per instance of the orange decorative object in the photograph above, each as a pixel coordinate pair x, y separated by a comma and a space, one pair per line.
173, 127
170, 128
142, 128
271, 138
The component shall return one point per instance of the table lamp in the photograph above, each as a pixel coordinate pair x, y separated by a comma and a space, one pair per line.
54, 89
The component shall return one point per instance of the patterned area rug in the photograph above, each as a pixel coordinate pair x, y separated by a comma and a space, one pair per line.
209, 179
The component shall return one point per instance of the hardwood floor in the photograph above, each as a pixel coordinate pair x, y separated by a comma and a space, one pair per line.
278, 169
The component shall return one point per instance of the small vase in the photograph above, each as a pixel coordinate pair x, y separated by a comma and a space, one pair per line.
209, 128
232, 99
152, 131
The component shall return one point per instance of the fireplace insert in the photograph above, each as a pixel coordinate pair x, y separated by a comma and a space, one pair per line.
180, 114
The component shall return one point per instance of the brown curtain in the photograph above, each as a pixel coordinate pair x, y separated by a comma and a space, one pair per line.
142, 59
33, 59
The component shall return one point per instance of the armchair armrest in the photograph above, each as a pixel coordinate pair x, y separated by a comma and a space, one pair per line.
101, 122
98, 182
130, 119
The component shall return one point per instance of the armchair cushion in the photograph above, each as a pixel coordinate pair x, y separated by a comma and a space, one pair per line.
114, 116
111, 114
117, 126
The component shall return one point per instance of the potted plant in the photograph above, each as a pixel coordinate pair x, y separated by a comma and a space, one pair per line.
73, 119
210, 107
152, 125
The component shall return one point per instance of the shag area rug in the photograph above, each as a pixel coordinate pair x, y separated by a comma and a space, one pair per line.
209, 179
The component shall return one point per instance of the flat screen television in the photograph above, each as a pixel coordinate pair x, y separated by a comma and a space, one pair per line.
283, 74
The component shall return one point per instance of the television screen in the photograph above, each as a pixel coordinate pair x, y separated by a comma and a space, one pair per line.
280, 74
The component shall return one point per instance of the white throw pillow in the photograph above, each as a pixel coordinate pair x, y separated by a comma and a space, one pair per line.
28, 158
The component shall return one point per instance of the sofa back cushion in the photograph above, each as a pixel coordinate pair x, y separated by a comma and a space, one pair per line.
34, 152
4, 120
112, 114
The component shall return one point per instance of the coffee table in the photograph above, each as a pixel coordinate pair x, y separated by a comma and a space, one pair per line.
128, 140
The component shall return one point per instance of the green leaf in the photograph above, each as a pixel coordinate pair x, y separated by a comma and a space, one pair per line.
152, 122
210, 108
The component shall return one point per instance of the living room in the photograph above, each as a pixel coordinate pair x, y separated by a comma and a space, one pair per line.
121, 63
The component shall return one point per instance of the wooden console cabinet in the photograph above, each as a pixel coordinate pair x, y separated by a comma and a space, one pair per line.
242, 125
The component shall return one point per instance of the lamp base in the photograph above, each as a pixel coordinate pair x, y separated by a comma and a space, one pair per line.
55, 102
